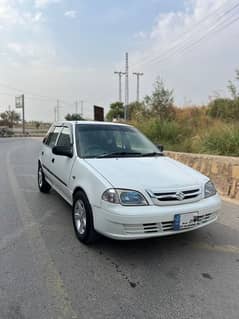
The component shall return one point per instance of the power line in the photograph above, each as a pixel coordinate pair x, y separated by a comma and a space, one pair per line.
215, 29
34, 95
177, 45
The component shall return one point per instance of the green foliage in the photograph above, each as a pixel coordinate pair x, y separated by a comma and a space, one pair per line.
161, 101
167, 132
116, 111
224, 108
136, 110
232, 89
73, 117
212, 129
37, 124
10, 117
223, 140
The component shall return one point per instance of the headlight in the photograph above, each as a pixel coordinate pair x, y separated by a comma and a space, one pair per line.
124, 197
209, 189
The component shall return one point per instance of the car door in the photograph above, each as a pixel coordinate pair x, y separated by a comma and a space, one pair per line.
47, 155
61, 166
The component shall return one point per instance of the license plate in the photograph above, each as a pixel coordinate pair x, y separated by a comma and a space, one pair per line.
182, 221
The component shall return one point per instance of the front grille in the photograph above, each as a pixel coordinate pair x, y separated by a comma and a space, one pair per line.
143, 228
175, 197
166, 226
199, 220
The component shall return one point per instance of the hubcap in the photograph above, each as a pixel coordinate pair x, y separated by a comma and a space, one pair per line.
40, 177
80, 217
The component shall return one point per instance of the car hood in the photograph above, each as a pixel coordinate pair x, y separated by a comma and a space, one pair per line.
146, 173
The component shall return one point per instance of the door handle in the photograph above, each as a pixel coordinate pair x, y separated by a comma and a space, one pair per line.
53, 160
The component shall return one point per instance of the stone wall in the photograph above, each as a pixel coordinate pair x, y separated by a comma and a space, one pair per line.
224, 171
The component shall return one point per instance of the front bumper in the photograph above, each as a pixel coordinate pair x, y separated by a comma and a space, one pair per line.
120, 222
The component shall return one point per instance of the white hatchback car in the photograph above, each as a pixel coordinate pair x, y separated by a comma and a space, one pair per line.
120, 184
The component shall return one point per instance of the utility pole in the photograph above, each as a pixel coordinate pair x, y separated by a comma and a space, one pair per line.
82, 108
120, 74
126, 86
57, 110
138, 74
76, 105
55, 119
23, 114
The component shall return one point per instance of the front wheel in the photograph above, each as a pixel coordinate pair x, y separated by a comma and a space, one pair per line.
44, 187
83, 219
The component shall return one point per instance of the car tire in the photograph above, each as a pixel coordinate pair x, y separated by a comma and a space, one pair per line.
83, 219
44, 187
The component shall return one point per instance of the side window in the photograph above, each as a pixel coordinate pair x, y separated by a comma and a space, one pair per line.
52, 137
51, 129
65, 137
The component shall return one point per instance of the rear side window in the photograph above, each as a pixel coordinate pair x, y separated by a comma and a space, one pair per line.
65, 137
52, 137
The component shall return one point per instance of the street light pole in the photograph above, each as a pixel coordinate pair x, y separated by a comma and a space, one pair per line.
120, 74
138, 74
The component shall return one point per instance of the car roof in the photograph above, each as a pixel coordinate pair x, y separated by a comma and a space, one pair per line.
90, 123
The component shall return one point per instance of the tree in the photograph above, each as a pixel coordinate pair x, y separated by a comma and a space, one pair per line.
116, 111
224, 108
161, 101
37, 124
136, 110
232, 87
73, 117
10, 117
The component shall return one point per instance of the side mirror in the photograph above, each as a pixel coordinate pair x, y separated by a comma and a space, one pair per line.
63, 151
160, 148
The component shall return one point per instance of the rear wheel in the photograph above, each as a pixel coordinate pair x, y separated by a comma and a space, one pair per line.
44, 187
83, 219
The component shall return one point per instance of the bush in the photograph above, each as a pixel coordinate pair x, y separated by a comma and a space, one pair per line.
222, 140
169, 133
223, 108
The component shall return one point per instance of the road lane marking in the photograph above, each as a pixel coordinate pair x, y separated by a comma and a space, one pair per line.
60, 299
11, 238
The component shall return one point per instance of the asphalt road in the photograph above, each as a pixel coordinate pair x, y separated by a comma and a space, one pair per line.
46, 273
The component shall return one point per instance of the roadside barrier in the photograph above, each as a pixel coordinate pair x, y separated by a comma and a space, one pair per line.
223, 170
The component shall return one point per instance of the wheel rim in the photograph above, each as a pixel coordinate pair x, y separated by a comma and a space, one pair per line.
80, 217
40, 177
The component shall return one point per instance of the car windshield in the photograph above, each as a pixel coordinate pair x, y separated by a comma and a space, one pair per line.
102, 141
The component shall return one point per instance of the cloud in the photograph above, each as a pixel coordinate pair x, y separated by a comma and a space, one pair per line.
45, 3
140, 35
183, 26
31, 51
185, 49
11, 15
72, 14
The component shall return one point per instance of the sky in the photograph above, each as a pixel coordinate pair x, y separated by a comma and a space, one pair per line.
69, 50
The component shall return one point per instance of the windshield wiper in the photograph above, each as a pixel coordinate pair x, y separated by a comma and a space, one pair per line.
152, 154
115, 154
